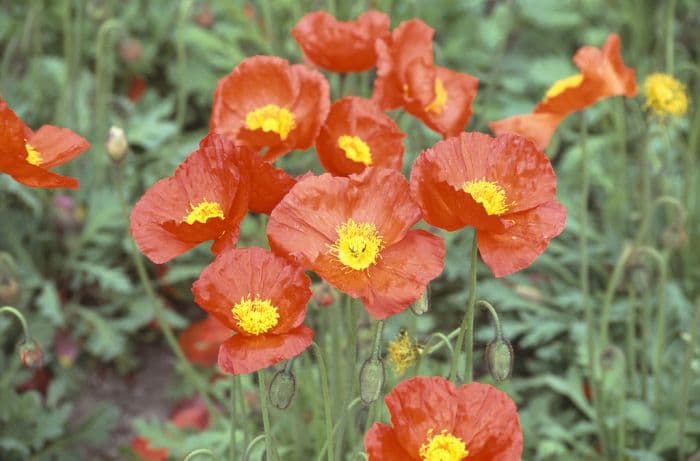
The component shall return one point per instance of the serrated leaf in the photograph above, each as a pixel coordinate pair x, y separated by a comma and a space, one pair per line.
49, 304
104, 340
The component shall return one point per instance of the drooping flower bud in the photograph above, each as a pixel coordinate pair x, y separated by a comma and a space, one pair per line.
31, 353
422, 304
372, 375
282, 389
499, 358
117, 145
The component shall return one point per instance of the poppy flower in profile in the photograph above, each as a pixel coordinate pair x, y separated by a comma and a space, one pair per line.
267, 103
341, 46
433, 420
503, 187
602, 74
201, 340
262, 298
354, 232
407, 77
357, 134
27, 156
206, 199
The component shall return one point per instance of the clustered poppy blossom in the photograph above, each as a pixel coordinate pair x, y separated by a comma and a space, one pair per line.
407, 77
267, 103
602, 74
261, 297
503, 187
357, 134
341, 46
355, 233
28, 156
433, 420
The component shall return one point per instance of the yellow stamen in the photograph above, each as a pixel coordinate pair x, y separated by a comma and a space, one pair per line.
564, 84
33, 157
403, 352
488, 193
203, 212
355, 149
437, 104
358, 244
271, 118
443, 447
255, 315
665, 95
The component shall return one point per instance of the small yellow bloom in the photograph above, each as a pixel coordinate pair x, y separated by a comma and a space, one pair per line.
665, 95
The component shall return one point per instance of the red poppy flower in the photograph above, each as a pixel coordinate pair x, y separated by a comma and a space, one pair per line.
602, 75
141, 447
27, 156
201, 340
432, 420
266, 102
407, 77
504, 187
358, 134
206, 199
341, 46
262, 297
354, 233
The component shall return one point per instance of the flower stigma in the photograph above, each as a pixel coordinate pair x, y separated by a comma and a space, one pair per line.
355, 149
255, 315
271, 118
33, 156
443, 447
437, 104
488, 193
358, 244
203, 212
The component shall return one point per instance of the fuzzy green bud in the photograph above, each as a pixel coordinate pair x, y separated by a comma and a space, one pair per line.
499, 358
372, 375
422, 304
282, 389
31, 353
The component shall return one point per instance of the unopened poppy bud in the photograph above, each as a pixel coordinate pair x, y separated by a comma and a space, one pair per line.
674, 238
640, 277
31, 353
324, 295
282, 389
117, 145
372, 376
499, 358
422, 304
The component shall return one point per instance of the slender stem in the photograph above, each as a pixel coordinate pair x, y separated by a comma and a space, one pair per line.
338, 425
621, 417
377, 344
352, 312
251, 445
670, 15
660, 329
264, 408
326, 400
494, 316
199, 452
613, 283
444, 341
181, 57
20, 317
685, 380
631, 334
466, 329
158, 312
233, 417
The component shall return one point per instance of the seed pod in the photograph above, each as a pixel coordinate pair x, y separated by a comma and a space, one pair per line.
372, 375
282, 389
422, 304
499, 358
31, 353
117, 145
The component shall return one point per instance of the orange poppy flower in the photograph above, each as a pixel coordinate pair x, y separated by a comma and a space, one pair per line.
262, 297
267, 103
407, 77
206, 199
355, 233
201, 340
602, 75
504, 187
357, 134
27, 156
341, 46
433, 420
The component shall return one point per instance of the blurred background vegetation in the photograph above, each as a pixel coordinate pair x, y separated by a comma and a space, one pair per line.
151, 68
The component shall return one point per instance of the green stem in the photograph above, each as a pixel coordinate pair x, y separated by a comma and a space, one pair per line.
494, 316
199, 452
631, 334
466, 329
444, 341
614, 282
19, 316
233, 417
270, 448
684, 399
326, 400
158, 310
670, 15
338, 425
377, 343
251, 445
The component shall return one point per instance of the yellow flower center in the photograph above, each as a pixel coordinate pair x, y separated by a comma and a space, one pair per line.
271, 118
402, 352
355, 149
203, 212
437, 104
358, 244
33, 157
665, 95
255, 315
489, 194
564, 84
443, 447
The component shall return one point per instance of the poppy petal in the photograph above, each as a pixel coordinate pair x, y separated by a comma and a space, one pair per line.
200, 341
537, 127
57, 145
381, 444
